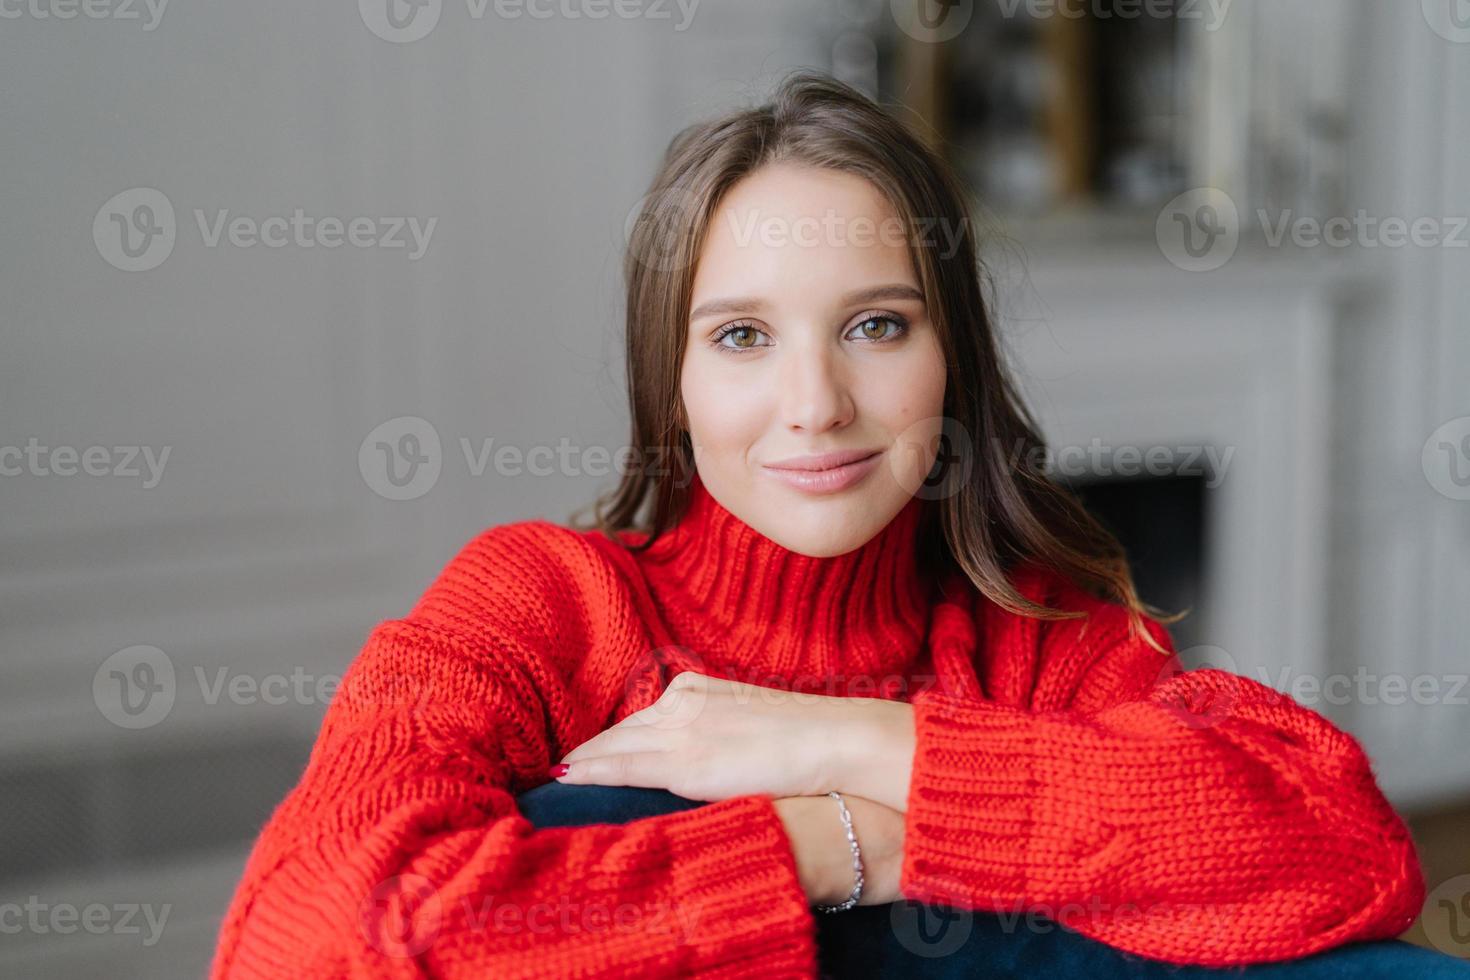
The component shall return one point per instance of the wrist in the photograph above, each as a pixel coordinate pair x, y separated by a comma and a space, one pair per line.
855, 893
872, 751
824, 859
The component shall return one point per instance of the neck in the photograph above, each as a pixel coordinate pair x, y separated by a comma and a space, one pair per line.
758, 611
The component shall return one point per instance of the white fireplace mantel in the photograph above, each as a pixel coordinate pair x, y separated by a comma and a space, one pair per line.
1128, 350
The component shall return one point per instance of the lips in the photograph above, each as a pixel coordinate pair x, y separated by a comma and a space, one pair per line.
818, 462
826, 473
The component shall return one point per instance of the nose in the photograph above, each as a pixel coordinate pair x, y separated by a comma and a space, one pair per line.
815, 392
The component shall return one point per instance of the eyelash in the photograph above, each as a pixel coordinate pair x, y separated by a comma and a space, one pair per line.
730, 328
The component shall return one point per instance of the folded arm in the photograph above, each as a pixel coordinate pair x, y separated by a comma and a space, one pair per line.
401, 853
1196, 817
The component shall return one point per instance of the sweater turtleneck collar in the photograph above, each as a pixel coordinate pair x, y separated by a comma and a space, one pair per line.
757, 611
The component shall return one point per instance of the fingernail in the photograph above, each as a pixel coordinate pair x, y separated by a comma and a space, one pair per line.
560, 769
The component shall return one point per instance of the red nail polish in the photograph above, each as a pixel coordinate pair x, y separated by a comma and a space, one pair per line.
560, 769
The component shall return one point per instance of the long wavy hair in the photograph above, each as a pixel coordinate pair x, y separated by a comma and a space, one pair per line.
994, 509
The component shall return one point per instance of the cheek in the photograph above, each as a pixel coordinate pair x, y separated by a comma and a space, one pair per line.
913, 392
721, 408
718, 433
910, 404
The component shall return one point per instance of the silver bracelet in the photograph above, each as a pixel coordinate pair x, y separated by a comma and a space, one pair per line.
857, 860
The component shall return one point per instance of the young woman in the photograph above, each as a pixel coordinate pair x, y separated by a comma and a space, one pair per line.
863, 658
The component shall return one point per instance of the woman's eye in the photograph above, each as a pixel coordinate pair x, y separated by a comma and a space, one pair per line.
744, 338
875, 328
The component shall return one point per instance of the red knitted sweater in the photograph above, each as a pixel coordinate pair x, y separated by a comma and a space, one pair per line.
1063, 768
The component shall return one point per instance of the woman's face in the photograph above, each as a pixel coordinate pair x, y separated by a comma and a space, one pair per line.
808, 334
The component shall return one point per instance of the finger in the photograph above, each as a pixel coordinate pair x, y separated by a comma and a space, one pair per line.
677, 707
617, 741
647, 769
665, 712
694, 679
743, 692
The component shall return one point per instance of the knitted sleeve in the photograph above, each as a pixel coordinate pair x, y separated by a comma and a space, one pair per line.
400, 853
1195, 817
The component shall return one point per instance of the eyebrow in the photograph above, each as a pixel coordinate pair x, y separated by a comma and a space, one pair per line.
871, 294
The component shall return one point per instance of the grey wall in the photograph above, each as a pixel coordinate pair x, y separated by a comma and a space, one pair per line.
269, 546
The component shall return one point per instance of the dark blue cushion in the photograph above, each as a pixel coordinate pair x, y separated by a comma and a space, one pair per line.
912, 939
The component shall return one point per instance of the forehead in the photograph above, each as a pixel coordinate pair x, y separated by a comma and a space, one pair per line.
790, 232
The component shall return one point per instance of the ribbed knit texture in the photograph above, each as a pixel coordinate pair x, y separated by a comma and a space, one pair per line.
1064, 769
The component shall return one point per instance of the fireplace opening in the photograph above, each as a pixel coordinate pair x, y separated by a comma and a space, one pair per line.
1160, 521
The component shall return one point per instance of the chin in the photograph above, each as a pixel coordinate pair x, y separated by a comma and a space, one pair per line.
826, 526
824, 548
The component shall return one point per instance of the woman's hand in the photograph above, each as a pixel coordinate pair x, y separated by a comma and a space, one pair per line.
708, 738
824, 857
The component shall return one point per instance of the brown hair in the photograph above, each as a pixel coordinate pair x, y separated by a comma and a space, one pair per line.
1001, 512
